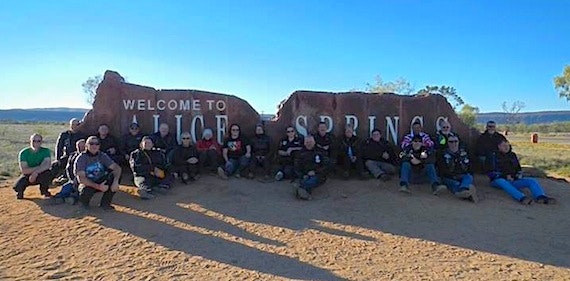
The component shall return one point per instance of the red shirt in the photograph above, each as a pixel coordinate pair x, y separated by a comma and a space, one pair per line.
203, 145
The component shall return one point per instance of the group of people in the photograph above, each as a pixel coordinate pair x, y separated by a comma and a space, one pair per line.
91, 164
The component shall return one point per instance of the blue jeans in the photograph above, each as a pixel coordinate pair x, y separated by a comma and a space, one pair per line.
236, 165
428, 171
513, 188
455, 185
309, 182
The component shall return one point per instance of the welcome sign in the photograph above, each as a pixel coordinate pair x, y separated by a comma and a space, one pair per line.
118, 104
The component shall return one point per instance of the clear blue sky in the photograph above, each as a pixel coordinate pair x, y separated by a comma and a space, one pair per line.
491, 51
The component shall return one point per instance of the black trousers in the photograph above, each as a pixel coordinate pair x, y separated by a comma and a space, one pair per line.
43, 179
209, 158
346, 164
190, 169
262, 163
87, 192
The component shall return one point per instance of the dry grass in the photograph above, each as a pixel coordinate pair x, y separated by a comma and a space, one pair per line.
14, 137
553, 158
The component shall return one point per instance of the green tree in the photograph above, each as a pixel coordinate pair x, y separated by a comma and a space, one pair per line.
90, 87
562, 83
448, 92
399, 86
468, 114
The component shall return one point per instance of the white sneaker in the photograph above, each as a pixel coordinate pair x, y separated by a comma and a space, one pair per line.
279, 176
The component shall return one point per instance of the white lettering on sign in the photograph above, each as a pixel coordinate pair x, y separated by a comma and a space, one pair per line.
178, 129
301, 128
155, 122
193, 126
328, 120
392, 128
416, 118
184, 105
352, 120
181, 105
196, 105
221, 123
371, 124
439, 121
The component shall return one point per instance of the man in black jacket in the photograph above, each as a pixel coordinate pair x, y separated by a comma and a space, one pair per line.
131, 141
349, 154
488, 142
418, 161
109, 144
260, 148
379, 157
505, 172
312, 167
149, 168
64, 147
185, 159
455, 170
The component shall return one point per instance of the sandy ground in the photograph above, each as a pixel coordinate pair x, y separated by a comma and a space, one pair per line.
242, 229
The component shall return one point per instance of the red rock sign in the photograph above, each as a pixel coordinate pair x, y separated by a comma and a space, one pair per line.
118, 104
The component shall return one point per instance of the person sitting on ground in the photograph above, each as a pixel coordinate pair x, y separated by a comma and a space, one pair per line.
488, 142
64, 147
417, 131
164, 140
289, 147
442, 136
237, 154
34, 162
326, 143
69, 191
131, 140
505, 172
418, 162
185, 159
91, 169
209, 150
149, 169
312, 167
379, 156
454, 168
350, 156
109, 144
260, 148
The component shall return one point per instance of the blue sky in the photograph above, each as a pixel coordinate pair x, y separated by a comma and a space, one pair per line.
262, 51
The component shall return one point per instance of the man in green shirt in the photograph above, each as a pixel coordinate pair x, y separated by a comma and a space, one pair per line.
34, 162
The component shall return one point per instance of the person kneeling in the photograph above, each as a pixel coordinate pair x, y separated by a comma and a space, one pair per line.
149, 168
505, 172
92, 172
311, 165
455, 169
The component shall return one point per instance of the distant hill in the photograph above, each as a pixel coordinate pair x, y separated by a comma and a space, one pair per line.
540, 117
60, 114
63, 114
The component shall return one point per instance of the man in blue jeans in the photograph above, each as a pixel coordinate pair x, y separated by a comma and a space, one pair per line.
311, 164
418, 161
504, 171
454, 168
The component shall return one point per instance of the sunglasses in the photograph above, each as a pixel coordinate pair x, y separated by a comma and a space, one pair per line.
288, 131
492, 126
445, 127
93, 143
35, 141
185, 138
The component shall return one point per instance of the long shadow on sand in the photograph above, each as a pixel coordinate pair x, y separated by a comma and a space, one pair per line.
186, 220
192, 232
497, 224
